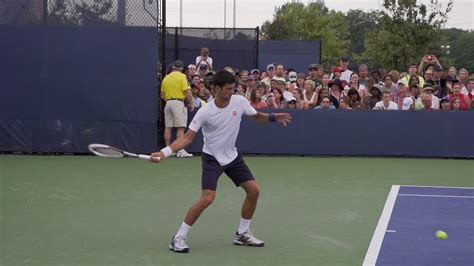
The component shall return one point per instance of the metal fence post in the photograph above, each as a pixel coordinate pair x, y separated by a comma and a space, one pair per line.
176, 44
257, 46
45, 12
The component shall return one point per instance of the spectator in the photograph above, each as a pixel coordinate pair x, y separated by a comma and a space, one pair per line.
401, 94
280, 71
196, 79
203, 70
336, 91
205, 95
364, 75
415, 91
469, 89
276, 99
336, 73
310, 96
300, 81
426, 101
428, 62
445, 104
191, 71
255, 72
205, 59
270, 71
291, 103
244, 76
463, 77
355, 84
325, 81
316, 72
279, 83
345, 73
355, 99
456, 93
395, 75
386, 103
452, 72
298, 95
437, 82
456, 104
240, 89
389, 85
325, 104
256, 99
368, 102
293, 78
412, 71
434, 100
414, 79
376, 79
408, 104
198, 103
344, 103
175, 90
428, 76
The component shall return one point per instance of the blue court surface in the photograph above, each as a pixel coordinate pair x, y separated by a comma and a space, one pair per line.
405, 233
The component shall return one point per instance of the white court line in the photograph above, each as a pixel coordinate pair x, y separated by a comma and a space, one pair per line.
436, 187
390, 231
436, 196
377, 238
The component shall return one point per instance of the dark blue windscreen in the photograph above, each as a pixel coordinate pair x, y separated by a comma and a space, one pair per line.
64, 87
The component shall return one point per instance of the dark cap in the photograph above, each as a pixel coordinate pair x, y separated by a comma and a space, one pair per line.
437, 68
314, 66
203, 66
178, 64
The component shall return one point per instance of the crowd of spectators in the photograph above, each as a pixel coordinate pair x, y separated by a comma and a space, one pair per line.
424, 86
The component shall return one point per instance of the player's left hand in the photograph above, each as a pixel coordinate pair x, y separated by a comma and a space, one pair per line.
284, 118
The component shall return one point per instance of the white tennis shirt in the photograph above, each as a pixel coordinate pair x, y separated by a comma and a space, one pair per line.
220, 127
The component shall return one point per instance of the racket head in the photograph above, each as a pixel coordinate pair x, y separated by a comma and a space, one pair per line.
105, 151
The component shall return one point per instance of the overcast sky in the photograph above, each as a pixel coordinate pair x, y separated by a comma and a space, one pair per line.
252, 13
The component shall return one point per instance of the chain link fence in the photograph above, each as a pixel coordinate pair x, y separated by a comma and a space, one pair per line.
80, 12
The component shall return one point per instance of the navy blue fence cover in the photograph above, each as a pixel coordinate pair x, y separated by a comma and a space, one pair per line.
296, 54
62, 88
360, 133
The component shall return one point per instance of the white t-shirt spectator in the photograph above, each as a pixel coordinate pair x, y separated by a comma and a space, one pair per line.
202, 61
434, 103
346, 75
220, 127
381, 106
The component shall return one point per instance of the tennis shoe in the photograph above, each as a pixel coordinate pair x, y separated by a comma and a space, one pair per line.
183, 154
247, 239
178, 244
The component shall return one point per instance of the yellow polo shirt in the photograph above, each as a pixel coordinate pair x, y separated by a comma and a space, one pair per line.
174, 85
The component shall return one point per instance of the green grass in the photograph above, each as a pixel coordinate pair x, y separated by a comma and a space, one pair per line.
84, 210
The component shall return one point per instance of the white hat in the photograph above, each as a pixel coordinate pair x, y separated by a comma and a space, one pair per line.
292, 76
279, 79
407, 102
288, 96
403, 81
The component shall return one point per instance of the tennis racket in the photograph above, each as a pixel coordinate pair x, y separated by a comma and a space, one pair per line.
107, 151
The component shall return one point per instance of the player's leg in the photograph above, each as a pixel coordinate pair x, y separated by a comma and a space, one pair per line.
211, 170
241, 176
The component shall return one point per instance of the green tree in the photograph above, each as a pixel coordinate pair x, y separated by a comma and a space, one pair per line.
68, 12
296, 21
360, 23
462, 51
407, 31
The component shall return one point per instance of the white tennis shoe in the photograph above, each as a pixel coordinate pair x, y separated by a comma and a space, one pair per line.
247, 239
178, 244
183, 154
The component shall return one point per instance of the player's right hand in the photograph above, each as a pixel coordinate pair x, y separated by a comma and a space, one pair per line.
156, 157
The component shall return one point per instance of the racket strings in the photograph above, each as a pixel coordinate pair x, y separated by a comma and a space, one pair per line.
108, 152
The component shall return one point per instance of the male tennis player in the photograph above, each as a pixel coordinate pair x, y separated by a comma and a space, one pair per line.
220, 122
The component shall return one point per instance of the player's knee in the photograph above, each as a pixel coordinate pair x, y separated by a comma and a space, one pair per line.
207, 199
254, 193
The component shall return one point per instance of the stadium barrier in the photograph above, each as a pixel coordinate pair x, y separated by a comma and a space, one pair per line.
360, 133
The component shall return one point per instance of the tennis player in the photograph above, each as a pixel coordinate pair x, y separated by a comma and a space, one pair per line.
220, 122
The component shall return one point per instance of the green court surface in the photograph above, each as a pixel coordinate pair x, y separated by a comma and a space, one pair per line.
85, 210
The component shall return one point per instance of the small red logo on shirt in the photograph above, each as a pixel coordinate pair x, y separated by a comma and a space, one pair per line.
234, 113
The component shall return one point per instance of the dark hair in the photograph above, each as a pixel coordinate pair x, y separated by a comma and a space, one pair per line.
253, 95
223, 77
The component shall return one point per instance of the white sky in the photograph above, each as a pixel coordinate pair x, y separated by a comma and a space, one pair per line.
252, 13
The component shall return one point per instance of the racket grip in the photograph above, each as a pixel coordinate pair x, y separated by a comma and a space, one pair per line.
143, 156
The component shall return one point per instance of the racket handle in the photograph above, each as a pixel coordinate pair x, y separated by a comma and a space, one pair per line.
145, 157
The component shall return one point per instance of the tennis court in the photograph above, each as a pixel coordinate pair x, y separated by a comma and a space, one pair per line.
85, 210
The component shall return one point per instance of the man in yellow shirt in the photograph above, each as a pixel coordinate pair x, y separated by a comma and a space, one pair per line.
175, 90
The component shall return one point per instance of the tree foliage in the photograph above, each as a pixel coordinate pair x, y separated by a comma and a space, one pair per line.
297, 21
406, 32
360, 23
67, 12
462, 51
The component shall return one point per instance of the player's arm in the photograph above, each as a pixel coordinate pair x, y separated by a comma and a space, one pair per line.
189, 98
284, 118
177, 145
